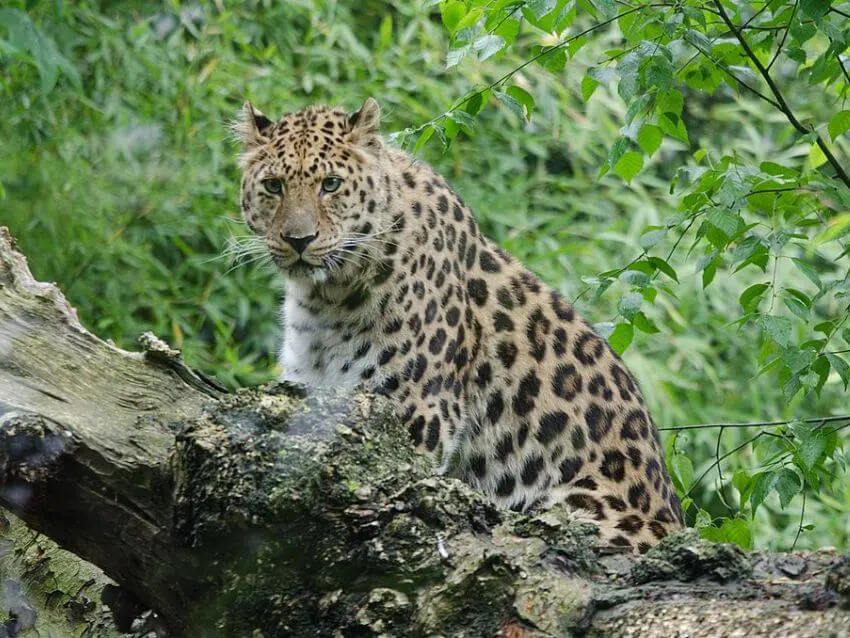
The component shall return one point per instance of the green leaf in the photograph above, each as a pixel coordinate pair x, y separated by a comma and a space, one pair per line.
841, 367
815, 8
385, 33
602, 74
839, 124
452, 11
724, 220
837, 228
608, 7
742, 482
424, 136
512, 104
644, 323
475, 102
798, 308
621, 337
454, 56
750, 298
554, 60
635, 278
541, 8
670, 101
649, 138
468, 21
617, 150
674, 126
788, 485
708, 274
25, 36
652, 237
489, 45
762, 484
738, 531
588, 87
810, 273
683, 471
798, 359
778, 328
664, 267
523, 97
629, 165
628, 69
659, 72
813, 442
629, 304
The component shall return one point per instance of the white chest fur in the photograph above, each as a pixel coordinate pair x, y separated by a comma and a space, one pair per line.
326, 349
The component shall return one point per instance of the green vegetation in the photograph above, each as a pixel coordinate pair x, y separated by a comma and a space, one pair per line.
642, 163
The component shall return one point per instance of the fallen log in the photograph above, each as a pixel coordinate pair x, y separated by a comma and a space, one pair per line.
273, 512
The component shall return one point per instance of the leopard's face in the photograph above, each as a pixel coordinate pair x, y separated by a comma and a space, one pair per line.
314, 188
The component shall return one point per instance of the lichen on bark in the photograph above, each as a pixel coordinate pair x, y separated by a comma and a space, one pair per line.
46, 590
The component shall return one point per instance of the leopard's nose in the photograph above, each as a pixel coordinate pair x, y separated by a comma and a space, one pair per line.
299, 243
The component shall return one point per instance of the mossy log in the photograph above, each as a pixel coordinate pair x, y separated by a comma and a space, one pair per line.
270, 512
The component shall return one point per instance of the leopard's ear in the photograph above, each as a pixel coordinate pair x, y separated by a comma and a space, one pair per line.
251, 127
365, 125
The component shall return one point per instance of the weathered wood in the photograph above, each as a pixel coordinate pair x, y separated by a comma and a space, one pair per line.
45, 587
292, 515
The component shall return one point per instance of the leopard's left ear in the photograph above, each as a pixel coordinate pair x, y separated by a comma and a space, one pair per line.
365, 124
251, 127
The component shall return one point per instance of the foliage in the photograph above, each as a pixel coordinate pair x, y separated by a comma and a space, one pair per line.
780, 225
614, 147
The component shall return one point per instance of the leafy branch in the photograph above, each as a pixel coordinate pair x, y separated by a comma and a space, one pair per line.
781, 103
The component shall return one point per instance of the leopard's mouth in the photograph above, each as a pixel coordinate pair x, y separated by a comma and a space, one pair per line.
298, 266
303, 267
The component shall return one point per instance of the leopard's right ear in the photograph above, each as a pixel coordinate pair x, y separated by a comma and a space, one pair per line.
251, 127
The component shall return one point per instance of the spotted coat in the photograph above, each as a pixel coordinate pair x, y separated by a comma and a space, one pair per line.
390, 283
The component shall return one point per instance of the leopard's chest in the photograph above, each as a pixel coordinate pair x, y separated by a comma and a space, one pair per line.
325, 350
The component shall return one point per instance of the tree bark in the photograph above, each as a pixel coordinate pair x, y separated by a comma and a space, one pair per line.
270, 512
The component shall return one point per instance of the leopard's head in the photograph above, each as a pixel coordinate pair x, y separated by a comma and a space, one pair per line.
314, 185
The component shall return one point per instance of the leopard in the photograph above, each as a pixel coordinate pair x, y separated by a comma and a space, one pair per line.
389, 283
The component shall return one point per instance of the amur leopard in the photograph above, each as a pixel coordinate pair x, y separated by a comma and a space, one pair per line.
390, 283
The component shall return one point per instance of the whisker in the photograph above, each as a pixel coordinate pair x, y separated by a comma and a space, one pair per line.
262, 260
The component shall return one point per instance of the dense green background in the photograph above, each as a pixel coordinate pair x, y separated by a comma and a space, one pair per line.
119, 182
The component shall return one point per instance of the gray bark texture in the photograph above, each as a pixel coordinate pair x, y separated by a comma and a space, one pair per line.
269, 512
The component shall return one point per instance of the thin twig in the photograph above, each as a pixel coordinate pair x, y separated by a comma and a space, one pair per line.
784, 36
717, 456
843, 68
800, 526
756, 14
758, 424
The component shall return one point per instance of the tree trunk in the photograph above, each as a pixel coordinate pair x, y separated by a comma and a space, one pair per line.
269, 512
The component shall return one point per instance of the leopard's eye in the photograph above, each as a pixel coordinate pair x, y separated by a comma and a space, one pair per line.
331, 184
273, 185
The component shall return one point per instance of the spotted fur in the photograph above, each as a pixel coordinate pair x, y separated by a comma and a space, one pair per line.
495, 373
